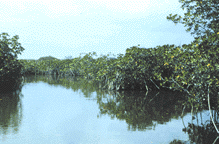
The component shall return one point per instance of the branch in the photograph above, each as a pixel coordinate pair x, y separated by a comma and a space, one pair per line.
72, 72
146, 85
181, 87
183, 110
154, 97
210, 111
215, 140
154, 83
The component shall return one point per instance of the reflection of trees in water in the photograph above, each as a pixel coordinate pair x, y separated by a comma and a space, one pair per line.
136, 108
10, 112
203, 132
87, 87
178, 142
206, 132
140, 110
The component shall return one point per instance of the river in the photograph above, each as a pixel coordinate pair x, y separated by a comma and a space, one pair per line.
65, 111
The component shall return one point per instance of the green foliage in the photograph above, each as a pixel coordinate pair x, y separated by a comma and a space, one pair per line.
189, 68
202, 17
200, 68
10, 46
10, 68
47, 58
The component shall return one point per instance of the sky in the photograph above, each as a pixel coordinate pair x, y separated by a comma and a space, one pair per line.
67, 28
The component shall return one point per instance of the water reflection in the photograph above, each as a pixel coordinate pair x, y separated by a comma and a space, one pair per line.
202, 131
141, 113
10, 112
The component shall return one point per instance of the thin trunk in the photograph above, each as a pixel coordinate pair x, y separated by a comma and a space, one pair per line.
210, 112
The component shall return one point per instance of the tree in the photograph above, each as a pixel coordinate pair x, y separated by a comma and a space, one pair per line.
10, 67
203, 15
10, 46
69, 57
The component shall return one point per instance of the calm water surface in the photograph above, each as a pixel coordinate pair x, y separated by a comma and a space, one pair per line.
54, 114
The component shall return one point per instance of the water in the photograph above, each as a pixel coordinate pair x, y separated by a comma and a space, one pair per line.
54, 114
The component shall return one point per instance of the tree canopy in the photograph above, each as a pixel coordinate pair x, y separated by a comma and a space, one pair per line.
10, 46
10, 68
202, 16
47, 58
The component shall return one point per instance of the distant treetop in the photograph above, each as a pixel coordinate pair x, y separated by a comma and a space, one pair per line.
47, 58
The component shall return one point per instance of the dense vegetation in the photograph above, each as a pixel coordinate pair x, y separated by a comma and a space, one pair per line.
47, 58
10, 68
191, 68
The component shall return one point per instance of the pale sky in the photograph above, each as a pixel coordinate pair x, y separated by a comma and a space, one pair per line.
68, 28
